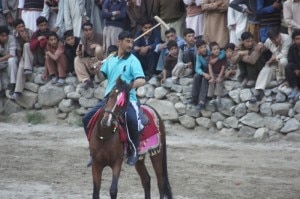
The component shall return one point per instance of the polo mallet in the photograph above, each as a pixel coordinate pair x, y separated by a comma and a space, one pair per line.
160, 22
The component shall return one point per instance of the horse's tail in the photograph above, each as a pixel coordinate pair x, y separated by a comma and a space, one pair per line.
167, 186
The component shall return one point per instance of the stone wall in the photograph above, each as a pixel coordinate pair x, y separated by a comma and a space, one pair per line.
272, 117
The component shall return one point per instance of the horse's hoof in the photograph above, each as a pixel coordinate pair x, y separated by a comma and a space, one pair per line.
89, 162
132, 160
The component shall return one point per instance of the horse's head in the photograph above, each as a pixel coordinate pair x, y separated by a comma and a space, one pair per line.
116, 103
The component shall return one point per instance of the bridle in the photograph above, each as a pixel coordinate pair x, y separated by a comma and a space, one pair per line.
115, 121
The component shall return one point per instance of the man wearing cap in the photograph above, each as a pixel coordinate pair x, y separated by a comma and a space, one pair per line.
126, 65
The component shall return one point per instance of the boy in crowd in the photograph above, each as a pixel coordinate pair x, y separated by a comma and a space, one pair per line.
56, 61
8, 58
71, 44
39, 41
186, 63
216, 73
162, 50
23, 37
171, 60
202, 76
231, 68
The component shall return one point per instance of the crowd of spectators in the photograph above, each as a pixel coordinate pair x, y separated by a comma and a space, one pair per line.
253, 42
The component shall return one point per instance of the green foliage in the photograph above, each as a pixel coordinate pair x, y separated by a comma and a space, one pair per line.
34, 117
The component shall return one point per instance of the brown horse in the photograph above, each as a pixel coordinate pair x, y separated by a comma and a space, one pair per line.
107, 147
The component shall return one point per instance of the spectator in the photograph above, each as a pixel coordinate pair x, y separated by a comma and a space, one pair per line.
249, 58
270, 16
236, 23
279, 44
146, 8
291, 14
93, 11
292, 69
134, 16
8, 58
162, 50
30, 10
23, 37
171, 13
171, 60
186, 63
88, 52
114, 13
216, 73
56, 61
144, 47
39, 41
250, 9
231, 69
201, 77
71, 44
215, 22
53, 11
9, 13
194, 16
74, 15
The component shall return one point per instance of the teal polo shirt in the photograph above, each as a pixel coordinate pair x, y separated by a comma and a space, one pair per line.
130, 69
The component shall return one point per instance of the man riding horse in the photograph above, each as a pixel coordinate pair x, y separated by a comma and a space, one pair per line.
127, 66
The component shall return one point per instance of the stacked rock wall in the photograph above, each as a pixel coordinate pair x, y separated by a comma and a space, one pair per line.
274, 116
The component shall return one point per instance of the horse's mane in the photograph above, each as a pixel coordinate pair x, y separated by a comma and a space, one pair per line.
122, 86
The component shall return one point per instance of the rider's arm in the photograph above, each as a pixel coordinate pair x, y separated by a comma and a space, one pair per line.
138, 82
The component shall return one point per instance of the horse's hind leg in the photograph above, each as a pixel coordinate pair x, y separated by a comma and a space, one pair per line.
97, 174
145, 177
158, 168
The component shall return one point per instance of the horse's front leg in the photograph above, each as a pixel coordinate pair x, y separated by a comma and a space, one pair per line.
97, 174
116, 170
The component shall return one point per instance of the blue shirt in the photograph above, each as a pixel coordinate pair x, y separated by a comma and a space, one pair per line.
130, 69
202, 62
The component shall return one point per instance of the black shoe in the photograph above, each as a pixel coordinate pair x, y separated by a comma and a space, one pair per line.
132, 159
253, 100
87, 84
192, 101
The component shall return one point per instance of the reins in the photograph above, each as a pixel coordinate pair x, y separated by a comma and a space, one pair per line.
115, 128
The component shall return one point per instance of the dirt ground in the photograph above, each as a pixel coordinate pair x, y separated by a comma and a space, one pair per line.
48, 161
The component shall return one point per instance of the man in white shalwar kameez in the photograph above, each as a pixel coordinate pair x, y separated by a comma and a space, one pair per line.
195, 16
74, 15
30, 10
236, 23
279, 44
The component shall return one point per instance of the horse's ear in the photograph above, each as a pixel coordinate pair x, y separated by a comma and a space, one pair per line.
119, 80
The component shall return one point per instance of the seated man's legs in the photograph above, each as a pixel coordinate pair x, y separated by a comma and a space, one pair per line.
70, 57
280, 75
180, 70
291, 77
12, 71
264, 77
81, 65
196, 87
